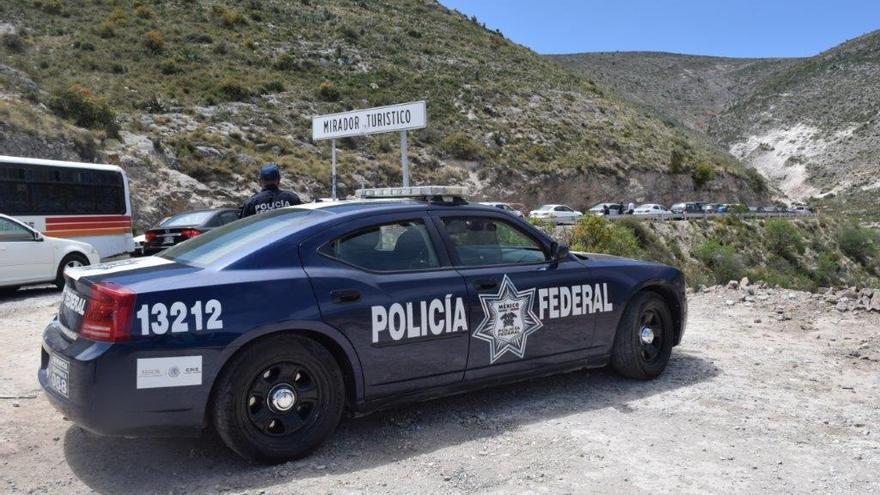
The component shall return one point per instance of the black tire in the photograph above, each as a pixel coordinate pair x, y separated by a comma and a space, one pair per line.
247, 420
71, 259
633, 356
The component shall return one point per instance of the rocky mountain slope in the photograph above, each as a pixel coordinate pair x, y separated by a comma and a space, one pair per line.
690, 89
191, 96
808, 124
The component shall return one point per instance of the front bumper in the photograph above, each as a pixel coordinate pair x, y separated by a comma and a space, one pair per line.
102, 397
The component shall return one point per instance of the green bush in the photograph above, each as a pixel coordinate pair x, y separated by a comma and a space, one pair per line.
858, 243
827, 272
106, 30
676, 162
328, 92
593, 233
154, 42
13, 42
228, 17
272, 87
783, 238
144, 12
757, 182
459, 145
232, 90
723, 261
81, 106
703, 174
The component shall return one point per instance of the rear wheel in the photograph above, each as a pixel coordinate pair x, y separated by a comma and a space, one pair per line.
72, 260
278, 399
644, 338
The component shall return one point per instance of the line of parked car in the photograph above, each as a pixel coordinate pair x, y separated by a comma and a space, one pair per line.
182, 226
564, 214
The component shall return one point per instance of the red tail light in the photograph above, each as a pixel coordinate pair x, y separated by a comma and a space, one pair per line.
108, 313
190, 233
150, 236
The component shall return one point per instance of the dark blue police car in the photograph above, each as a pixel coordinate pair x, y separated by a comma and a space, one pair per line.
270, 327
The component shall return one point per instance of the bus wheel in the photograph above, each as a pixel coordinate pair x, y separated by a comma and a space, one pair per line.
72, 260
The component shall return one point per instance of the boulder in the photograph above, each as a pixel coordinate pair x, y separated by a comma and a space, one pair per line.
874, 305
842, 306
744, 282
733, 284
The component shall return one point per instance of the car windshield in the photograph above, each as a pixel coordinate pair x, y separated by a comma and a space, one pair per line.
546, 207
190, 218
254, 230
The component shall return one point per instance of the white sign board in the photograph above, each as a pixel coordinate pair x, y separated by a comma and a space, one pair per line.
401, 117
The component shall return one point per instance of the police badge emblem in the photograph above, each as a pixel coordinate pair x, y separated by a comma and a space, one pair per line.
508, 320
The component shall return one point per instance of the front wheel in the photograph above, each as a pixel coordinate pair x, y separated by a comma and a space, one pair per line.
278, 399
644, 338
72, 260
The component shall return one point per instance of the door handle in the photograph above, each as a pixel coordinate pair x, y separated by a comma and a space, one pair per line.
485, 284
344, 296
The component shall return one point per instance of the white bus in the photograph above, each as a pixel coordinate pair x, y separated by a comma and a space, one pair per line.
81, 201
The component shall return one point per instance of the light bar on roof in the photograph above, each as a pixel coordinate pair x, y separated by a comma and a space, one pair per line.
411, 192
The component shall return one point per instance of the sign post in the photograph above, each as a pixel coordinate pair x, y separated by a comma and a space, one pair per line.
401, 117
404, 159
333, 170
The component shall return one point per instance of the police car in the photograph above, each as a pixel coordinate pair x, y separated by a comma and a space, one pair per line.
271, 327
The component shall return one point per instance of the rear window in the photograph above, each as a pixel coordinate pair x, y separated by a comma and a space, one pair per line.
236, 236
185, 219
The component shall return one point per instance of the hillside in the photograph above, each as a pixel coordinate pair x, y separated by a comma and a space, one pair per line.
190, 97
815, 125
810, 125
690, 89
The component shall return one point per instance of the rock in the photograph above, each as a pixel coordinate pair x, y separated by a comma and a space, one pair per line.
701, 288
733, 284
209, 152
730, 302
757, 320
874, 305
842, 306
847, 294
744, 282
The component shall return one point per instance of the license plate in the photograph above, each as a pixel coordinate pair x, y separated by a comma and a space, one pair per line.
168, 240
59, 375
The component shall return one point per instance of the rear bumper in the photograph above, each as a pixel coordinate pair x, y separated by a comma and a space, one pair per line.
102, 397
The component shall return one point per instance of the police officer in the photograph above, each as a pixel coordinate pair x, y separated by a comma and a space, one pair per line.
270, 197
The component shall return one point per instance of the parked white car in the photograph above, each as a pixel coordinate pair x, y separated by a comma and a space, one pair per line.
29, 257
504, 206
556, 213
653, 210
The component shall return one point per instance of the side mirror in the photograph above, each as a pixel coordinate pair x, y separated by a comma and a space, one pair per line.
558, 251
38, 237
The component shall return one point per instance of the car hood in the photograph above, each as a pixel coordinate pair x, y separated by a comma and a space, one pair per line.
611, 259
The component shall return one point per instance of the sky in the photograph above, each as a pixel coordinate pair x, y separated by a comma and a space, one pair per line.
732, 28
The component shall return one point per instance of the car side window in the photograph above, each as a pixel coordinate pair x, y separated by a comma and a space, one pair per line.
398, 246
13, 232
482, 241
228, 216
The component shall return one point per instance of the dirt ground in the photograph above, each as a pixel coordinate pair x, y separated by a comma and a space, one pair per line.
776, 394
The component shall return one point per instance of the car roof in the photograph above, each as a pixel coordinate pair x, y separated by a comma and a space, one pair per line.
354, 207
